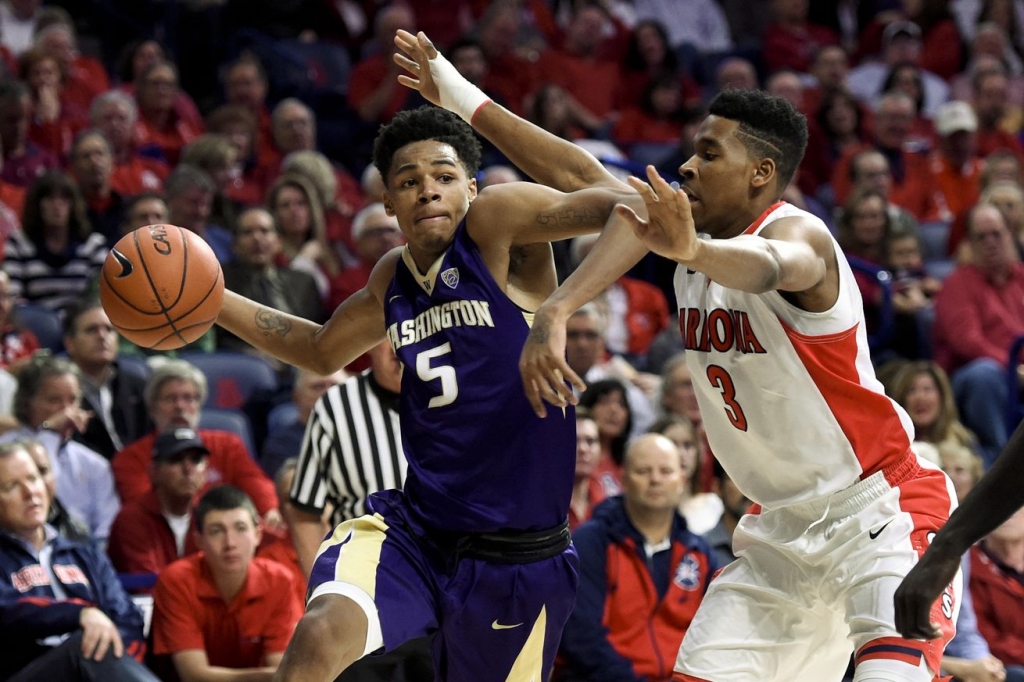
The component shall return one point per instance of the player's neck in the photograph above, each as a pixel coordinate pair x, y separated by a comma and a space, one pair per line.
741, 221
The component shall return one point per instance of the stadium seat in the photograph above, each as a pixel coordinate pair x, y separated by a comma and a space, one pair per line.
281, 416
134, 364
934, 240
1014, 408
233, 421
887, 315
234, 378
42, 322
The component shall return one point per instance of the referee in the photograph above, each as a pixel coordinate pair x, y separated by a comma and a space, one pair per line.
352, 448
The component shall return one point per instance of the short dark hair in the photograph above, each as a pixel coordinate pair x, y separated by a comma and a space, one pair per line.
77, 309
426, 123
772, 127
223, 498
597, 390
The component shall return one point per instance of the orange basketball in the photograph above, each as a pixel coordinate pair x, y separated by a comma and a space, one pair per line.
161, 287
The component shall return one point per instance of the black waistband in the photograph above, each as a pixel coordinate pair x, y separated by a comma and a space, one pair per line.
514, 547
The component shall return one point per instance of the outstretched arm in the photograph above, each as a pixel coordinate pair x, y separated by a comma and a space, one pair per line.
993, 500
548, 159
355, 327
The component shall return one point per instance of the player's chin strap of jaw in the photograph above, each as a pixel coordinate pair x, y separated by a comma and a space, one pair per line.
514, 547
458, 95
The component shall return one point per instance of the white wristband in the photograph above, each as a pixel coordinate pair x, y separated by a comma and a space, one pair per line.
458, 95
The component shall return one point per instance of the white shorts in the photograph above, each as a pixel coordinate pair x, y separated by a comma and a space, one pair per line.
814, 583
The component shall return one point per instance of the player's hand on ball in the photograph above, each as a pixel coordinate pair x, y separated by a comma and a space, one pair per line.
543, 367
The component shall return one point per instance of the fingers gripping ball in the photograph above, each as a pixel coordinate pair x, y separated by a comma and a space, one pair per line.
161, 287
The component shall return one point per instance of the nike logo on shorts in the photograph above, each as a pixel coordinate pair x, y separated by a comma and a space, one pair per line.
875, 534
498, 626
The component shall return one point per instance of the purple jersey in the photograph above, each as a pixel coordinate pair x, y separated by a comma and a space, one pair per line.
479, 458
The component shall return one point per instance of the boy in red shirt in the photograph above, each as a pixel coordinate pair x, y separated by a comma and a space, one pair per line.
224, 609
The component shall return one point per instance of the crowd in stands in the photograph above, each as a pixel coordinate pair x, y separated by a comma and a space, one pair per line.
111, 120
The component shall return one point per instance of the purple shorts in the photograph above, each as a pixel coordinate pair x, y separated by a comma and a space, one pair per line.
489, 621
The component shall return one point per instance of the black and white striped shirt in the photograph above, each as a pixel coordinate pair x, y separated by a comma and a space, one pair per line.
352, 448
54, 281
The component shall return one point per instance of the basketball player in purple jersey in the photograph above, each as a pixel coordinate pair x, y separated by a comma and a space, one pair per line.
476, 550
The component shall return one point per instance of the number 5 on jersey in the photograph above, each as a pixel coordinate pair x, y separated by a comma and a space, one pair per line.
446, 373
722, 380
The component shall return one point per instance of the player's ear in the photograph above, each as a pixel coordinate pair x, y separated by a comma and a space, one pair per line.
389, 209
764, 171
472, 189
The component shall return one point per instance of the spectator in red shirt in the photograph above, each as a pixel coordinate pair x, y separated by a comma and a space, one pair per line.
649, 55
991, 104
155, 530
588, 489
374, 92
225, 611
114, 114
374, 232
57, 118
237, 124
997, 586
139, 56
245, 86
955, 165
656, 118
789, 41
510, 72
978, 314
85, 76
174, 393
160, 129
16, 342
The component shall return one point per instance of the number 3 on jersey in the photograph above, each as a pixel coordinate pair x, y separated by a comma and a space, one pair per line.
722, 380
446, 373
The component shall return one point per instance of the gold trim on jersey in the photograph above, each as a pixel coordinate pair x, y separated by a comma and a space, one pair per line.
361, 539
529, 664
529, 318
426, 281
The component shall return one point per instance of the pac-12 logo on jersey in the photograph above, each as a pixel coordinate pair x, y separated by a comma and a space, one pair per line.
688, 573
450, 277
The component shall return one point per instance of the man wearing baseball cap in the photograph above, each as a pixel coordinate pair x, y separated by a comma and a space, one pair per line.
153, 531
954, 165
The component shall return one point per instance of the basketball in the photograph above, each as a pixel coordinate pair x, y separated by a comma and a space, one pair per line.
161, 286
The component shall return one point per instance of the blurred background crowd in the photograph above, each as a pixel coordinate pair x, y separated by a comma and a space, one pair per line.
251, 123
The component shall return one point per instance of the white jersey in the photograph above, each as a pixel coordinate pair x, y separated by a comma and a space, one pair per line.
789, 399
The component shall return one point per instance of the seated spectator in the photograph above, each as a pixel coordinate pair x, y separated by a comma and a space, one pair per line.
655, 118
47, 405
253, 274
53, 260
510, 73
23, 160
189, 193
16, 342
299, 216
963, 466
174, 393
693, 25
340, 195
998, 168
863, 230
281, 548
19, 22
700, 509
85, 76
498, 175
160, 130
115, 114
1008, 197
67, 524
790, 41
922, 388
648, 55
997, 564
837, 126
978, 314
80, 627
870, 169
246, 87
606, 401
374, 233
913, 290
239, 127
147, 208
374, 93
113, 396
734, 505
907, 78
955, 163
91, 164
642, 575
57, 119
991, 104
589, 489
138, 56
215, 155
286, 442
224, 610
155, 530
736, 73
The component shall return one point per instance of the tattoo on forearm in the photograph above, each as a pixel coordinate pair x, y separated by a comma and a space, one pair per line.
572, 216
270, 321
538, 335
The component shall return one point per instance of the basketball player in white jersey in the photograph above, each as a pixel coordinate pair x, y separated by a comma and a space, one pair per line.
774, 328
